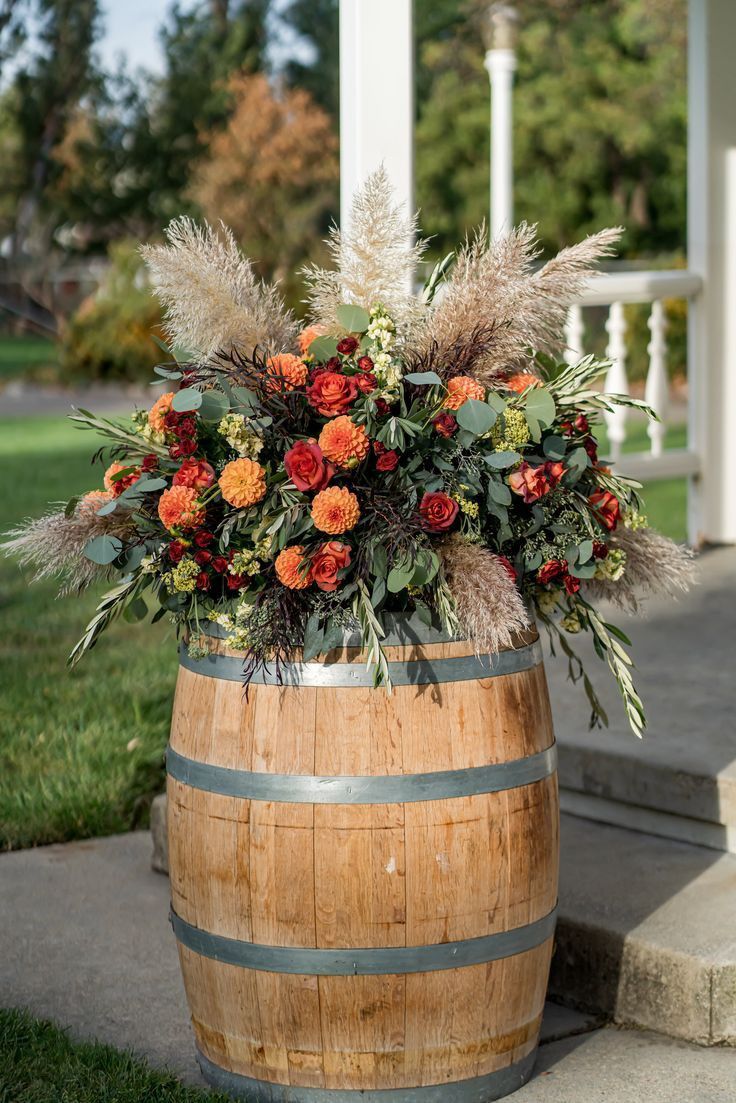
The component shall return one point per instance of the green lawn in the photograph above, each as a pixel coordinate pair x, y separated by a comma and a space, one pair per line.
40, 1064
66, 770
27, 357
666, 499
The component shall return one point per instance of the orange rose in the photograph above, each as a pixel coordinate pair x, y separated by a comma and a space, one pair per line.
305, 338
335, 510
606, 507
117, 486
332, 393
530, 482
521, 380
94, 500
329, 560
291, 569
285, 372
159, 410
179, 507
344, 442
459, 389
242, 483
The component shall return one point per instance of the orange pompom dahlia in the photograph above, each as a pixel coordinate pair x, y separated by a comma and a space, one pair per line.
117, 486
290, 569
159, 410
344, 442
286, 372
242, 483
521, 380
179, 507
459, 389
335, 510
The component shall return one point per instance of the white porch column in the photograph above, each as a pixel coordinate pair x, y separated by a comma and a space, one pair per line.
712, 254
376, 96
500, 61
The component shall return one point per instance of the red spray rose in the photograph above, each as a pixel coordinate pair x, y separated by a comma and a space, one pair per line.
236, 581
600, 550
196, 473
382, 407
332, 394
203, 538
572, 584
551, 570
581, 423
203, 581
149, 462
176, 550
347, 346
554, 472
387, 461
219, 564
438, 511
591, 447
307, 467
328, 561
606, 507
203, 557
444, 424
187, 427
508, 566
365, 363
366, 382
530, 482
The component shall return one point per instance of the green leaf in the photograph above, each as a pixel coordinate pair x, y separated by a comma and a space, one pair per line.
134, 558
242, 397
499, 492
323, 348
423, 378
71, 505
585, 551
147, 486
379, 563
214, 405
582, 570
400, 577
496, 402
540, 405
476, 417
554, 447
352, 318
186, 400
379, 592
424, 613
135, 611
109, 507
103, 549
500, 460
313, 638
333, 636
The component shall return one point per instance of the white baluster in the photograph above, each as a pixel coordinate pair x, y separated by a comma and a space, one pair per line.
574, 334
656, 393
616, 380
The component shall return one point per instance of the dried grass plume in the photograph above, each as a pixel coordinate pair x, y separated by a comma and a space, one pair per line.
212, 299
655, 565
488, 604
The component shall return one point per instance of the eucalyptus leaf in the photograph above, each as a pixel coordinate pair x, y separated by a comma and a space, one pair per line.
214, 405
496, 402
475, 416
423, 379
103, 550
502, 459
585, 550
352, 318
582, 570
134, 558
540, 405
245, 398
554, 447
186, 400
109, 507
323, 348
499, 492
399, 578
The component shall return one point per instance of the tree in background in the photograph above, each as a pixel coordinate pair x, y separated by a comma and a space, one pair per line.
271, 174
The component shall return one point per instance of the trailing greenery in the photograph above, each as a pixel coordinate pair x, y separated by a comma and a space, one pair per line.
39, 1063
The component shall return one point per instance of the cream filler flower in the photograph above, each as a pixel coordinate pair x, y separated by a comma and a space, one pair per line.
235, 428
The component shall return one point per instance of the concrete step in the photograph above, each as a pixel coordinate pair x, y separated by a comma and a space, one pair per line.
647, 932
680, 780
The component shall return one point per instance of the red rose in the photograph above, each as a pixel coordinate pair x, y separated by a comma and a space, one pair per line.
591, 447
508, 566
203, 557
572, 584
581, 423
196, 473
365, 363
567, 428
236, 581
554, 472
445, 424
187, 427
327, 562
172, 419
366, 382
203, 580
176, 550
182, 448
347, 346
307, 467
382, 407
387, 461
600, 550
606, 508
149, 462
203, 538
530, 482
219, 564
331, 394
438, 511
551, 570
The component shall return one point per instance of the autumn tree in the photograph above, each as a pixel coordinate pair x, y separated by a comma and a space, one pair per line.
271, 174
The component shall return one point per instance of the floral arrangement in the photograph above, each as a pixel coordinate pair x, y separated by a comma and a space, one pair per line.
428, 453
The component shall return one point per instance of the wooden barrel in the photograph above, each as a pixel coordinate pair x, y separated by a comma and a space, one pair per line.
363, 884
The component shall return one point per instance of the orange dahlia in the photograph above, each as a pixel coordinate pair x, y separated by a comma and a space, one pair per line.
286, 372
459, 389
290, 568
242, 483
335, 510
344, 442
308, 335
521, 380
117, 486
179, 507
159, 410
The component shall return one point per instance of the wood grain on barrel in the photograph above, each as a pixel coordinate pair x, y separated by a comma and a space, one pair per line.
381, 875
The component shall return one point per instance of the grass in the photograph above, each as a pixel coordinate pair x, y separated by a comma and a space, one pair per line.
27, 357
80, 751
40, 1064
666, 499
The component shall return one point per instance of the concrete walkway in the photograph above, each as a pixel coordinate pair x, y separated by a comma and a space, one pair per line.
84, 940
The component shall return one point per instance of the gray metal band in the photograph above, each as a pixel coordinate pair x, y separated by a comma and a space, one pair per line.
360, 961
479, 1089
373, 789
462, 668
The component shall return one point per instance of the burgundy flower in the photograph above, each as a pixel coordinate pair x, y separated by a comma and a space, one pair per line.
203, 538
600, 550
387, 461
149, 462
187, 427
382, 407
591, 447
365, 363
176, 550
508, 566
347, 346
236, 581
572, 585
203, 581
437, 511
444, 424
203, 557
366, 382
219, 564
581, 423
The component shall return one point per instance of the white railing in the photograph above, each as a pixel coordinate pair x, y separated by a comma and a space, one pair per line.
614, 290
